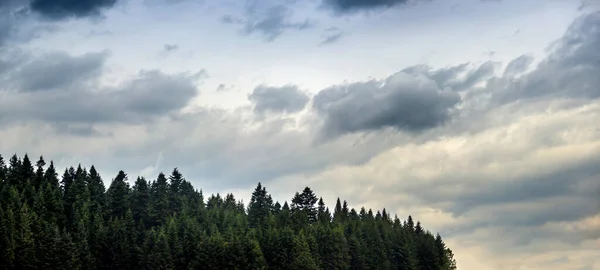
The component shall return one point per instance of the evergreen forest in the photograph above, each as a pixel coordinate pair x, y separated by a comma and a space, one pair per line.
72, 221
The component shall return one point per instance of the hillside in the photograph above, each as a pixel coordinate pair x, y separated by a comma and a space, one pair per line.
74, 222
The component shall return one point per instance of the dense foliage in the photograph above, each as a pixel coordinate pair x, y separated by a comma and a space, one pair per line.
75, 223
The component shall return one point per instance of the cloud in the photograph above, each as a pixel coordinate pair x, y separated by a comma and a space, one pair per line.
518, 65
285, 99
224, 88
351, 6
570, 71
167, 49
78, 129
273, 23
59, 9
267, 19
56, 70
170, 47
457, 78
331, 39
9, 15
5, 27
333, 36
71, 94
402, 101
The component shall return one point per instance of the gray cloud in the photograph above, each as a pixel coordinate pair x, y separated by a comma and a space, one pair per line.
5, 27
285, 99
59, 9
330, 39
574, 181
170, 47
9, 11
442, 76
67, 99
350, 6
82, 130
570, 71
457, 78
271, 21
54, 71
402, 101
518, 65
223, 88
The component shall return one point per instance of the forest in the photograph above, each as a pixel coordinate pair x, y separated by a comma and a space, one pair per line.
75, 222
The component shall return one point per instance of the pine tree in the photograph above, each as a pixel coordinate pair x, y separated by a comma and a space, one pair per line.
140, 201
97, 191
305, 204
159, 200
39, 173
3, 170
118, 195
176, 180
260, 207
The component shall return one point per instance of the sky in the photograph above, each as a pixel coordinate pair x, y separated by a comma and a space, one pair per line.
477, 117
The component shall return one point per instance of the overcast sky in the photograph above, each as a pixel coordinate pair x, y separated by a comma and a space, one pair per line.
479, 118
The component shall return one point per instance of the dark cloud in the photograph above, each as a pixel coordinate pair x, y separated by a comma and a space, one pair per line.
402, 101
285, 99
67, 99
61, 9
564, 183
271, 21
349, 6
56, 70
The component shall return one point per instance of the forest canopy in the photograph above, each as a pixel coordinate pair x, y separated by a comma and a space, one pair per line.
75, 222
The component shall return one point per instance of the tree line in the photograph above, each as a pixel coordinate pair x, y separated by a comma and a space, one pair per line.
74, 222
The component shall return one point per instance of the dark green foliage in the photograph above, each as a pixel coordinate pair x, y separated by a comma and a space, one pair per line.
260, 207
304, 205
75, 223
